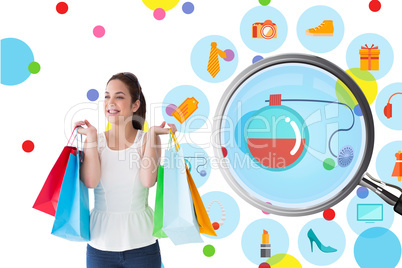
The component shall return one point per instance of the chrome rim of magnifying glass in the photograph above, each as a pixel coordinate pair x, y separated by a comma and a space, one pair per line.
338, 73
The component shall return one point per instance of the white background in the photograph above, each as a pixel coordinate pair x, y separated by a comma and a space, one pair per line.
44, 107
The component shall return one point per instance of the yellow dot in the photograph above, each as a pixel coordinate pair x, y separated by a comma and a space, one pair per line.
283, 261
145, 128
164, 4
365, 80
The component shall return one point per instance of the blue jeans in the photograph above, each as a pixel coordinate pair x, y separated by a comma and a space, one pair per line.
145, 257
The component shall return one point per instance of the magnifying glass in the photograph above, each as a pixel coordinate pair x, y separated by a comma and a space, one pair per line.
295, 135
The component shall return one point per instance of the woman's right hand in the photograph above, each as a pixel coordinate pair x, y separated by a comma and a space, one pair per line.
89, 131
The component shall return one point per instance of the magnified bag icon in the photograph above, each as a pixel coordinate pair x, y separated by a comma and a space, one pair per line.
297, 135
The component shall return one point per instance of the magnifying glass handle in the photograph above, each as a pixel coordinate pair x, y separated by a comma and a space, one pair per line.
384, 194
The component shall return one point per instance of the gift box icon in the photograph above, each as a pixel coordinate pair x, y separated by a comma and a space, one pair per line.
369, 58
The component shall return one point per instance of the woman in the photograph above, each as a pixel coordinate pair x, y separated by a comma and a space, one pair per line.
122, 164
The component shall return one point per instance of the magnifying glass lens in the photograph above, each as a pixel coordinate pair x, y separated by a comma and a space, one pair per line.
295, 136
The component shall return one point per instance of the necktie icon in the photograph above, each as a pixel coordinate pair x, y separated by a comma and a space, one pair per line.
213, 62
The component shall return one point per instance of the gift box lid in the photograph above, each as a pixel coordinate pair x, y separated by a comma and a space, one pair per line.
366, 51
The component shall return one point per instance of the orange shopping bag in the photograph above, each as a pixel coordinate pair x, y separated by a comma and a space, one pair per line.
204, 222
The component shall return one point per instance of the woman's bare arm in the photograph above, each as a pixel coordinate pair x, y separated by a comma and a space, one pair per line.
151, 158
90, 168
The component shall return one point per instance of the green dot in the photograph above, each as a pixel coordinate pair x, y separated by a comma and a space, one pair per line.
264, 2
329, 164
34, 67
209, 250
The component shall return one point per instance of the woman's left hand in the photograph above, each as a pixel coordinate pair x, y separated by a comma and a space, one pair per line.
161, 130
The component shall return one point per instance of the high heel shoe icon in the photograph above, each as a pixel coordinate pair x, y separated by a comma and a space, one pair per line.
313, 238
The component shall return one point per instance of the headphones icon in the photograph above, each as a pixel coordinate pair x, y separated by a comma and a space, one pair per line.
388, 107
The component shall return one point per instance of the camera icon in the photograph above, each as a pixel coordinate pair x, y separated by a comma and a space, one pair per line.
266, 30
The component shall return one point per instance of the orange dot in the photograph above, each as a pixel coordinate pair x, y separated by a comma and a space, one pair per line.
28, 146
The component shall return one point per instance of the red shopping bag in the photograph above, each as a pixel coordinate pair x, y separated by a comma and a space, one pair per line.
49, 195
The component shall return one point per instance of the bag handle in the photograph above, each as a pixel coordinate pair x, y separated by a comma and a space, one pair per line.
170, 145
71, 136
176, 144
175, 140
78, 150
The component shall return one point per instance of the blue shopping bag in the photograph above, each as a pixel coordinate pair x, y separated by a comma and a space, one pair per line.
179, 220
72, 214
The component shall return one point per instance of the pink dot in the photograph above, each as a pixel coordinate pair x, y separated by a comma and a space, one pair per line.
159, 14
99, 31
267, 213
170, 109
28, 146
329, 214
229, 55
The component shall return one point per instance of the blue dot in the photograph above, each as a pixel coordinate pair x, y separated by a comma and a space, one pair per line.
257, 58
377, 247
362, 192
92, 94
203, 173
188, 7
162, 266
357, 110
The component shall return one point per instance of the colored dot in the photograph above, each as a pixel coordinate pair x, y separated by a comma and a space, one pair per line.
264, 264
329, 164
28, 146
377, 241
34, 67
62, 8
229, 55
264, 2
203, 173
99, 31
362, 192
357, 110
215, 225
170, 109
224, 151
209, 250
257, 58
267, 213
329, 214
159, 14
92, 94
375, 5
188, 7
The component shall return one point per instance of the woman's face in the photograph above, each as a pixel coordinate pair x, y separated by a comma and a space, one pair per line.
117, 105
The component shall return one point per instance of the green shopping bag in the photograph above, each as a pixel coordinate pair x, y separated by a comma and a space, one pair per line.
158, 214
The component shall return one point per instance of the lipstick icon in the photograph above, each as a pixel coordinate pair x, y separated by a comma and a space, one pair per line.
265, 246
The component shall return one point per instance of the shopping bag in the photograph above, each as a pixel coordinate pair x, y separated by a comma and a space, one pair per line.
179, 220
72, 214
204, 223
158, 214
49, 194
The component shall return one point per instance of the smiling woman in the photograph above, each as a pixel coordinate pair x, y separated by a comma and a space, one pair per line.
121, 221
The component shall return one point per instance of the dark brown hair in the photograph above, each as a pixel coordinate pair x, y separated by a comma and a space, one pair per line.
134, 87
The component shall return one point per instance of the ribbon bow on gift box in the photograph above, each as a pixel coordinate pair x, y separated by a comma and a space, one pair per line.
369, 53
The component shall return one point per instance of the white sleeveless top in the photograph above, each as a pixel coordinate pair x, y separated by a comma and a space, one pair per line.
121, 218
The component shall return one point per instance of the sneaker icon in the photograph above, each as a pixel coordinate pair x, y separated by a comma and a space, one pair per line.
326, 28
